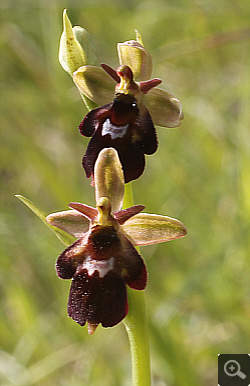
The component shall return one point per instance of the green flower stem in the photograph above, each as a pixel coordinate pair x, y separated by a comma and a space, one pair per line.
136, 321
137, 329
136, 324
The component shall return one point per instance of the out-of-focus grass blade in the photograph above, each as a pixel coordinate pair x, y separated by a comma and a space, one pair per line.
64, 237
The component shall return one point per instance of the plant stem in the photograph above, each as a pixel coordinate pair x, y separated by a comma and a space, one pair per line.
136, 321
136, 324
137, 329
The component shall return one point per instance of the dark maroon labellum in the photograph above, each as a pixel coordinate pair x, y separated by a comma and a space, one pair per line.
123, 126
97, 299
101, 264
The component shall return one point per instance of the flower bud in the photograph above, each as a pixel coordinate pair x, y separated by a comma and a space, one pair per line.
87, 44
133, 54
76, 48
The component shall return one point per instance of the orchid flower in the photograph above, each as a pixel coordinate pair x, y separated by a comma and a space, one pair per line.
103, 259
124, 124
131, 104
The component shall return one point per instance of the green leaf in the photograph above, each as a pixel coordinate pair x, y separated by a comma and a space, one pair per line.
65, 238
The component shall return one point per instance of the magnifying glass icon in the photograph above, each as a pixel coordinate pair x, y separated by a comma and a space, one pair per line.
232, 368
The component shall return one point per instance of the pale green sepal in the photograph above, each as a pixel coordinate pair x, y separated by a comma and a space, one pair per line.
134, 55
85, 40
147, 229
65, 238
90, 105
109, 178
164, 108
71, 53
70, 221
95, 84
138, 37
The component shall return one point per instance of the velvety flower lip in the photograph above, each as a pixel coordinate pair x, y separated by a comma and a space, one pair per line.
124, 124
103, 259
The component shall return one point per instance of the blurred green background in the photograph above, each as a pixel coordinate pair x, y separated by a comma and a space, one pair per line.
197, 289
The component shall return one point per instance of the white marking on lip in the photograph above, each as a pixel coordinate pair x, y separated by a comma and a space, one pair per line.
114, 131
101, 266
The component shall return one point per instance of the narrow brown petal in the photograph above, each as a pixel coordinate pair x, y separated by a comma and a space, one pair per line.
111, 72
123, 215
86, 210
146, 85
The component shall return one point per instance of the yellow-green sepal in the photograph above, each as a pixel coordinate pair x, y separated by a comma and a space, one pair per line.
133, 54
164, 108
109, 178
95, 84
147, 229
